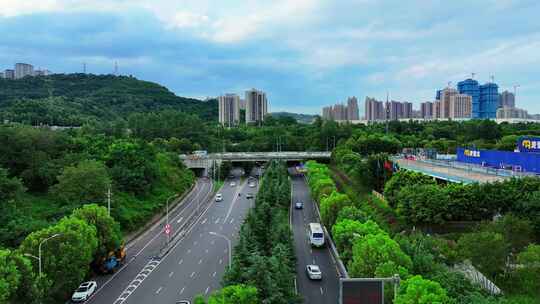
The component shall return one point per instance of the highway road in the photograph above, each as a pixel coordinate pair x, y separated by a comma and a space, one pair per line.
313, 292
197, 258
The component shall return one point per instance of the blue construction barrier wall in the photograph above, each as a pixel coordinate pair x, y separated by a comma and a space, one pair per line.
526, 162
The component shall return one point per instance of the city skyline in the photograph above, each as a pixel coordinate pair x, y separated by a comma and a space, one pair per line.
331, 50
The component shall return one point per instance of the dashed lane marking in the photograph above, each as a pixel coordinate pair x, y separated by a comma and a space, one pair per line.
192, 274
180, 262
214, 274
143, 274
180, 219
207, 290
182, 290
171, 274
159, 289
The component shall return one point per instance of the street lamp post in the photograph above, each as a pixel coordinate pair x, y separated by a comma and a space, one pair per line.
39, 251
228, 244
167, 220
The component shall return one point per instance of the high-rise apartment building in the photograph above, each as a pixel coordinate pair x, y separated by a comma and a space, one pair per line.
327, 113
445, 96
507, 99
9, 74
1, 74
229, 110
42, 72
460, 106
407, 110
256, 106
374, 109
471, 88
511, 112
426, 110
352, 108
437, 109
23, 69
489, 100
339, 112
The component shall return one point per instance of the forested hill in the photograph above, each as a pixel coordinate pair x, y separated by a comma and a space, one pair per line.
73, 99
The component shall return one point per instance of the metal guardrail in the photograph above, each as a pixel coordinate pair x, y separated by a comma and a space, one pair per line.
258, 155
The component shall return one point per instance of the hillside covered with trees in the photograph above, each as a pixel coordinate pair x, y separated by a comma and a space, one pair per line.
75, 99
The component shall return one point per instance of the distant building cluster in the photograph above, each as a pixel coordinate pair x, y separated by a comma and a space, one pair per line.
255, 104
376, 110
469, 100
22, 70
342, 112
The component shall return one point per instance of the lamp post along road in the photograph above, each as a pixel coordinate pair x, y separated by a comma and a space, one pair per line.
228, 244
39, 251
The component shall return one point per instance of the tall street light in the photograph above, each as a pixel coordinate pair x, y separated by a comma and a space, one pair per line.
228, 244
39, 251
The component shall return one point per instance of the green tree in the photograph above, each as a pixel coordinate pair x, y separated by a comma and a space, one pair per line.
66, 258
9, 276
371, 254
132, 166
486, 250
108, 230
331, 205
417, 290
401, 179
9, 187
422, 204
529, 273
351, 213
87, 182
346, 231
235, 294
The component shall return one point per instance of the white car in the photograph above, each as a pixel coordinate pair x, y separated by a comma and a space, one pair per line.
219, 197
84, 291
252, 185
232, 184
314, 272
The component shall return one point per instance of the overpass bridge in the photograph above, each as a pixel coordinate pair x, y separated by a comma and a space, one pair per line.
212, 159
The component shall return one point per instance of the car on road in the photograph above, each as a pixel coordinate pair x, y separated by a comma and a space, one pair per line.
182, 302
298, 205
249, 195
232, 184
231, 176
84, 292
314, 272
219, 197
252, 184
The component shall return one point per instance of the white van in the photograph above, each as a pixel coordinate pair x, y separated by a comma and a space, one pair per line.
316, 235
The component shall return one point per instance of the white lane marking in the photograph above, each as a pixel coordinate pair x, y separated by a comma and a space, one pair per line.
206, 251
182, 290
220, 261
212, 242
225, 251
180, 262
139, 278
192, 274
180, 219
207, 290
159, 289
204, 221
322, 292
200, 235
200, 261
217, 221
314, 261
221, 227
189, 251
171, 274
232, 220
195, 243
214, 274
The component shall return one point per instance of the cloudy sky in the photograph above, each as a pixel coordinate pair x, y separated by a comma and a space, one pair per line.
303, 53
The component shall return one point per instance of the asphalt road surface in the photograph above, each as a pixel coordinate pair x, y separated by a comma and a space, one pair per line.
313, 292
196, 260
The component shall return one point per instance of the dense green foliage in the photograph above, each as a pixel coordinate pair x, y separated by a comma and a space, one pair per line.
234, 294
75, 99
264, 256
62, 170
417, 290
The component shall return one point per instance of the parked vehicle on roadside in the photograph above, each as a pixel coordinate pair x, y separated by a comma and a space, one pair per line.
84, 292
